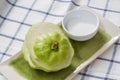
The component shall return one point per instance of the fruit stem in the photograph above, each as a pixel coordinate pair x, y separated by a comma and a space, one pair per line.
55, 45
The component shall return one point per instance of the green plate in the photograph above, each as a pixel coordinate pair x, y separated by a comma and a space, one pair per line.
83, 51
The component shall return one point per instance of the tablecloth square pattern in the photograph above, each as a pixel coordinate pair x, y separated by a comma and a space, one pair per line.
9, 28
101, 66
84, 2
4, 42
79, 77
23, 30
53, 19
108, 54
113, 17
117, 56
1, 19
25, 3
91, 78
34, 17
101, 12
115, 70
63, 6
114, 5
15, 46
90, 75
6, 6
11, 1
98, 3
17, 14
95, 74
5, 58
43, 6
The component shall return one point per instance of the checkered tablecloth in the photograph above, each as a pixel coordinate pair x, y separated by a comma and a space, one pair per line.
17, 16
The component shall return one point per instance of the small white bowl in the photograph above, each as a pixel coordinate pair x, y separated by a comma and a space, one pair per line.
80, 24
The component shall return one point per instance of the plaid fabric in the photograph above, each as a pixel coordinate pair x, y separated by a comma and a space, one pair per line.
17, 16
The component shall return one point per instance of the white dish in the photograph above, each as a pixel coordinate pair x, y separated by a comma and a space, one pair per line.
81, 24
110, 28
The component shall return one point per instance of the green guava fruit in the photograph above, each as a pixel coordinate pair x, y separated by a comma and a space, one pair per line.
47, 48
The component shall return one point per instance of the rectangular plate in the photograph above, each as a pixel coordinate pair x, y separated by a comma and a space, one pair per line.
109, 28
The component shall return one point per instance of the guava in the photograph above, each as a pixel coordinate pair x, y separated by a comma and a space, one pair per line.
47, 48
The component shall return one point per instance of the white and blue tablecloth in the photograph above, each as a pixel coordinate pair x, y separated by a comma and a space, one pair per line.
17, 16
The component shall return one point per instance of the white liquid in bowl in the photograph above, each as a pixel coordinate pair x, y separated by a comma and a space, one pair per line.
80, 29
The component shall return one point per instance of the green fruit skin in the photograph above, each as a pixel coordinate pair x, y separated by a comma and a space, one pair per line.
40, 54
43, 49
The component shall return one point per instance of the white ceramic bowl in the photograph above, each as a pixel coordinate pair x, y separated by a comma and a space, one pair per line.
80, 24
